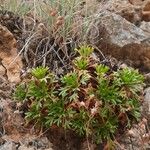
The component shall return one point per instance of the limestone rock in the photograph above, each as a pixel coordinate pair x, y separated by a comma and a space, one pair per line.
117, 37
9, 56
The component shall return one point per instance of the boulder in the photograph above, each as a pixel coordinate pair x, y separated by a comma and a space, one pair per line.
117, 37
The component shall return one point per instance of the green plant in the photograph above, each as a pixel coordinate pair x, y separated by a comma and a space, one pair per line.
20, 93
91, 99
39, 72
82, 61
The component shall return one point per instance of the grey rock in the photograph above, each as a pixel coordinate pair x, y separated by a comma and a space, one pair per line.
146, 103
8, 146
147, 79
25, 148
145, 26
41, 143
117, 37
118, 30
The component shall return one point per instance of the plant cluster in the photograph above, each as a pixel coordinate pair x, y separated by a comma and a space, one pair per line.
92, 99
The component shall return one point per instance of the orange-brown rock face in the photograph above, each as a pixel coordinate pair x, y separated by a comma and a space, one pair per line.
8, 55
145, 7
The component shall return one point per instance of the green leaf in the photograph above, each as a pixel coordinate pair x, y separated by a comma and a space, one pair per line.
38, 90
39, 72
85, 51
130, 76
70, 80
20, 92
85, 77
81, 63
101, 69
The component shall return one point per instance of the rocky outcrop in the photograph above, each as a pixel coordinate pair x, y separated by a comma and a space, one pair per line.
117, 37
8, 55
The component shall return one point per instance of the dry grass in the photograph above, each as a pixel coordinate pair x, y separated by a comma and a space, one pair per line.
52, 29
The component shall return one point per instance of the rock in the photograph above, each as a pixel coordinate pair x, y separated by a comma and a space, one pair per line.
145, 26
26, 148
147, 79
136, 2
117, 37
2, 141
9, 56
5, 90
146, 10
40, 143
132, 13
13, 22
11, 124
8, 146
135, 11
31, 148
43, 142
146, 103
137, 137
2, 70
146, 6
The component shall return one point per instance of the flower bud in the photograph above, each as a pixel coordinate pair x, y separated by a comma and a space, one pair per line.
53, 13
59, 22
60, 18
